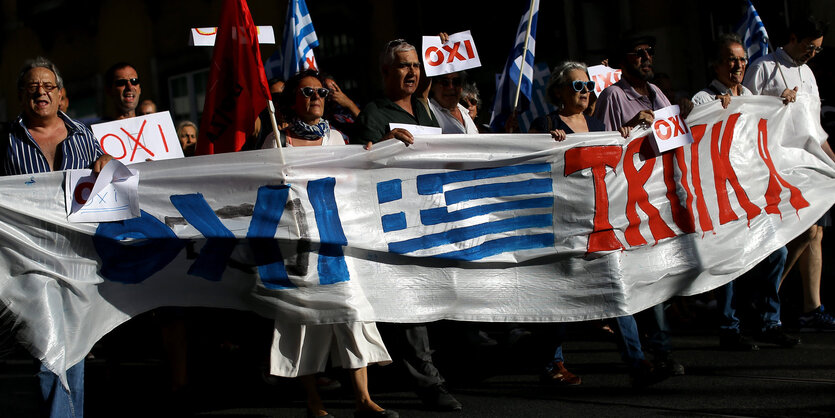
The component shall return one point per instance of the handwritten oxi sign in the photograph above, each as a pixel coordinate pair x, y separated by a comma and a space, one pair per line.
148, 137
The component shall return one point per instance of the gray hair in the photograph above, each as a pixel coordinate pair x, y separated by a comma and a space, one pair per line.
183, 124
470, 90
723, 41
39, 62
559, 77
392, 48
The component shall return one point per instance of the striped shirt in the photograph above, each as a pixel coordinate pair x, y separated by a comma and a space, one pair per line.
22, 155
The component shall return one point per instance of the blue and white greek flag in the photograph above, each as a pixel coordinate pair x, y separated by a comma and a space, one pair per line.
509, 79
469, 214
753, 34
300, 38
540, 106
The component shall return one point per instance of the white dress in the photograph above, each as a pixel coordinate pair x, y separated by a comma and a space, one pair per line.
300, 350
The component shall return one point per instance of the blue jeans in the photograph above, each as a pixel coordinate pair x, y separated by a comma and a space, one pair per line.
558, 356
765, 294
629, 341
58, 403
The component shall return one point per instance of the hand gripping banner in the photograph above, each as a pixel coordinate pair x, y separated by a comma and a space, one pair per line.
509, 227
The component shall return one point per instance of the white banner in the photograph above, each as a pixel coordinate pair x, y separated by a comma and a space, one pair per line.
485, 228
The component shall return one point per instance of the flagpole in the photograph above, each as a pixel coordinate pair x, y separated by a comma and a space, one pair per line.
271, 107
777, 62
524, 55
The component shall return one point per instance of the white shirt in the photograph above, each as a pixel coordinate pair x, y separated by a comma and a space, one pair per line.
451, 125
763, 77
334, 138
709, 94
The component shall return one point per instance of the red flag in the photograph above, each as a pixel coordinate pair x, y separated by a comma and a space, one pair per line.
237, 90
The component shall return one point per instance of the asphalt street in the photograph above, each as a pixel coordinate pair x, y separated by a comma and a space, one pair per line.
491, 381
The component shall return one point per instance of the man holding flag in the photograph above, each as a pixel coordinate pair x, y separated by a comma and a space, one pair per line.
516, 82
237, 90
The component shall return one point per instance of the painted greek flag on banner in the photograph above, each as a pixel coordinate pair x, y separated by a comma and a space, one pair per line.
470, 214
509, 79
753, 34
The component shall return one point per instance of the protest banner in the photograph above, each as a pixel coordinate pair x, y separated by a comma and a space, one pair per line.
206, 36
508, 227
140, 138
603, 77
669, 129
457, 54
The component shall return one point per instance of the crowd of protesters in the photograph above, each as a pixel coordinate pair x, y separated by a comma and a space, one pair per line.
314, 111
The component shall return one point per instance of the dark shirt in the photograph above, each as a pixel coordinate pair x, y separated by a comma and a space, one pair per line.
22, 155
541, 124
375, 118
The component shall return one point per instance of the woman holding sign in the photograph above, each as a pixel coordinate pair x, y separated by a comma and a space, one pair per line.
302, 350
571, 91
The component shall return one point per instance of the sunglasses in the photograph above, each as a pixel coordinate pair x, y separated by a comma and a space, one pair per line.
122, 82
579, 85
308, 91
812, 47
650, 51
34, 87
447, 82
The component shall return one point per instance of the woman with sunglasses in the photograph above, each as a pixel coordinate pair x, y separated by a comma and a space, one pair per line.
570, 90
302, 350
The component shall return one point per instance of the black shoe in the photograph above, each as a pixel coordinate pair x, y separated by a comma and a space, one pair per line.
736, 342
775, 335
646, 374
438, 398
666, 362
386, 413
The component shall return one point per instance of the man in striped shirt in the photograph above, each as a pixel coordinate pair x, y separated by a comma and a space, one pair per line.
43, 139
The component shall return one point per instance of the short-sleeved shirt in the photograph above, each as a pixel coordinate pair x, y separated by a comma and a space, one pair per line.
374, 120
553, 121
715, 88
22, 155
620, 102
451, 125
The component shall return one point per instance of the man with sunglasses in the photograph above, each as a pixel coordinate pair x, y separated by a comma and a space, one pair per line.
785, 74
41, 140
630, 102
622, 106
445, 99
123, 88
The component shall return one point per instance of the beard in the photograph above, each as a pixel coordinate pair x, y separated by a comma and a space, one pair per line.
643, 75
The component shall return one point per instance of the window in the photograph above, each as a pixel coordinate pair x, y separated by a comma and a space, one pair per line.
187, 94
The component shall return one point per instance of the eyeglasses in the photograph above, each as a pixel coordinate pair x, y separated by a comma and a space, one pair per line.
321, 91
813, 47
650, 51
579, 85
447, 82
122, 82
469, 102
32, 88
